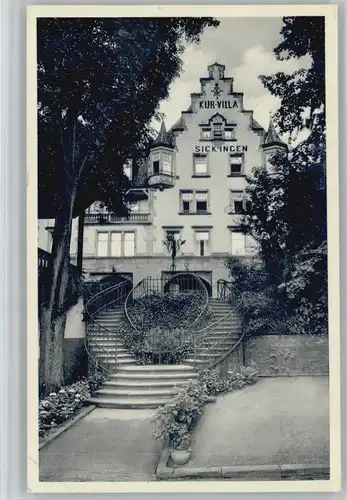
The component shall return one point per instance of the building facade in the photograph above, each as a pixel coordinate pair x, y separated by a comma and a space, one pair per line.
191, 187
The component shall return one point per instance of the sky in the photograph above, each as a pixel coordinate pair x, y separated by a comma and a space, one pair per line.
245, 46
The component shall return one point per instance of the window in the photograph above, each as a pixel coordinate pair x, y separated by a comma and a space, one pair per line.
173, 233
218, 130
116, 244
194, 202
229, 133
202, 240
201, 201
238, 243
129, 244
133, 206
156, 163
167, 168
187, 201
236, 165
102, 244
237, 202
206, 133
200, 164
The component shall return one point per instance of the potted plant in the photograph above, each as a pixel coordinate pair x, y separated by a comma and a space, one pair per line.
180, 454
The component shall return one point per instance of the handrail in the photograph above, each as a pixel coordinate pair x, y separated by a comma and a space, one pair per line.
145, 287
90, 316
170, 278
228, 291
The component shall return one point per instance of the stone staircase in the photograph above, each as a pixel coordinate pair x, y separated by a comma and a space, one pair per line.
222, 336
150, 386
147, 386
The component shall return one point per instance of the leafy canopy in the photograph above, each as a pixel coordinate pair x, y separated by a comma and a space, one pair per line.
100, 81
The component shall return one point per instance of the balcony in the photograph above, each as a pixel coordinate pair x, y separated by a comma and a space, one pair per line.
160, 179
107, 218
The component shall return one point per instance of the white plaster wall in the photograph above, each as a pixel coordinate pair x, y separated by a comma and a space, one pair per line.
75, 327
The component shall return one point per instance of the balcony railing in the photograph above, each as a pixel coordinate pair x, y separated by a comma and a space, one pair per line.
44, 263
107, 218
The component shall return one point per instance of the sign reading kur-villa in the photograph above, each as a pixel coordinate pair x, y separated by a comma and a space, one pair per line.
218, 104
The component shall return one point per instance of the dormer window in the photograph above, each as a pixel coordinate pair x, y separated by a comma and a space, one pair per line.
217, 130
229, 134
206, 133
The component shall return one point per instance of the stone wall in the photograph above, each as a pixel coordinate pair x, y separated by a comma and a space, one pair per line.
140, 267
288, 355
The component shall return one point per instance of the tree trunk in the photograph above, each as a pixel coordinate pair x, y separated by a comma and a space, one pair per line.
80, 241
53, 316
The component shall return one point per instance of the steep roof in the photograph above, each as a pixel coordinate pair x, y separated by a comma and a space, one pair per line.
272, 137
163, 138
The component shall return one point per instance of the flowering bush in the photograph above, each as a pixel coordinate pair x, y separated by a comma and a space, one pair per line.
216, 384
175, 420
59, 406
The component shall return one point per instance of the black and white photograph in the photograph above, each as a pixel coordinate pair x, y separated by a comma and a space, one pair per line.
184, 310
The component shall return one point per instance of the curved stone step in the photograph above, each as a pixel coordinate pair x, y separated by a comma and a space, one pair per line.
158, 377
127, 403
132, 384
147, 393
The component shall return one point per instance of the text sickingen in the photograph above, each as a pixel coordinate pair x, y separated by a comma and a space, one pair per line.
233, 148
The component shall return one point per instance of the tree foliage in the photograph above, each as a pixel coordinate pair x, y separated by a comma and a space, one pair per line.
287, 290
100, 81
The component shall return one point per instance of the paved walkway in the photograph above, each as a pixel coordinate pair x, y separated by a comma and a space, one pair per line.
276, 421
107, 445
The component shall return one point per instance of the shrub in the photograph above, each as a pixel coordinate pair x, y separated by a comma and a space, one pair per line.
175, 420
216, 384
153, 344
166, 310
59, 406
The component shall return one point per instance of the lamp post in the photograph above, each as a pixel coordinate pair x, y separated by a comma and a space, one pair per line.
173, 245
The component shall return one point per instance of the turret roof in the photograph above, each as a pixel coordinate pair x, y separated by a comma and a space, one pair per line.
272, 137
163, 138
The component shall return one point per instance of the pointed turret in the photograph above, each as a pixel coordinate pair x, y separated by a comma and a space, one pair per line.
162, 139
272, 138
160, 169
272, 145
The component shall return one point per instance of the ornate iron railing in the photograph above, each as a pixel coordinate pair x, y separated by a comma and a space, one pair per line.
180, 282
227, 292
106, 299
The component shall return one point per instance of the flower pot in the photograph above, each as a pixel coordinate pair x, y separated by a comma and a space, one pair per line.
181, 457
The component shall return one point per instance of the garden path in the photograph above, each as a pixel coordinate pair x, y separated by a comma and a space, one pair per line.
282, 420
106, 445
